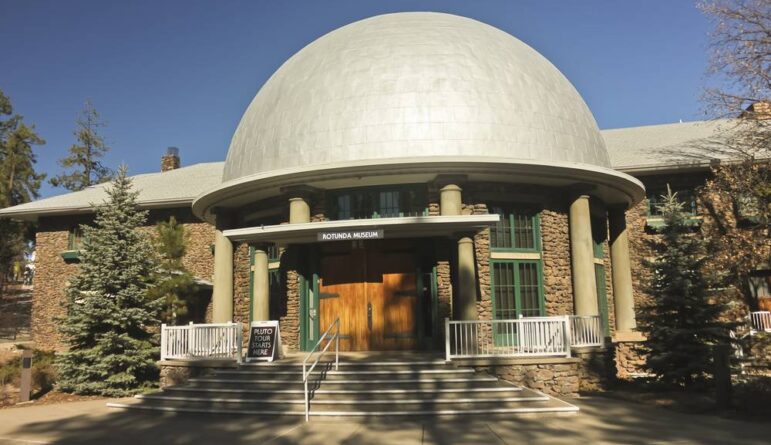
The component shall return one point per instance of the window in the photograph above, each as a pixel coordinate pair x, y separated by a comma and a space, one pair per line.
376, 202
760, 283
75, 238
686, 196
517, 289
518, 229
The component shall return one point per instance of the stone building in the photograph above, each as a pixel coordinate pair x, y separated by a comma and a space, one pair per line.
402, 170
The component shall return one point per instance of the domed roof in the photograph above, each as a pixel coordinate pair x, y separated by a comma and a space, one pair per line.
414, 85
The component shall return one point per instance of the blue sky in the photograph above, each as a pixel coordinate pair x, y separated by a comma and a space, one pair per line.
181, 73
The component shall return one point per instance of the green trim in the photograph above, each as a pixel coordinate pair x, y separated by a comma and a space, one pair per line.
517, 294
70, 256
602, 297
536, 232
251, 284
375, 212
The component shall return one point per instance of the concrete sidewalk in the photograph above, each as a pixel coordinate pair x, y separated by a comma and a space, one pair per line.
600, 421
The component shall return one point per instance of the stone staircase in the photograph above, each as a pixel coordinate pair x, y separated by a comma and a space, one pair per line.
398, 387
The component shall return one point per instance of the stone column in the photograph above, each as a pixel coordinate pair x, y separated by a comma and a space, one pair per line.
299, 210
261, 287
623, 296
450, 202
582, 257
222, 294
466, 302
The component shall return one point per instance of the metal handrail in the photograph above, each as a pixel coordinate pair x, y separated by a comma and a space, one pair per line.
306, 373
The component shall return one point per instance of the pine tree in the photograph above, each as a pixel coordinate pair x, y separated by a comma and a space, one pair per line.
84, 156
174, 280
110, 316
19, 182
683, 322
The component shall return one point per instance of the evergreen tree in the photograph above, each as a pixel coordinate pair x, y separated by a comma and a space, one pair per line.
110, 315
174, 280
19, 182
85, 154
682, 322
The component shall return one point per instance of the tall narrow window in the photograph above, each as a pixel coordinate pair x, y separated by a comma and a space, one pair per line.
518, 228
517, 289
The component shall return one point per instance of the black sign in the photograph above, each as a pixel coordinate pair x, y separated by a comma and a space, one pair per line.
262, 342
350, 235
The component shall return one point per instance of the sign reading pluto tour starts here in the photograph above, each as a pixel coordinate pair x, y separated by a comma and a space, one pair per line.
264, 341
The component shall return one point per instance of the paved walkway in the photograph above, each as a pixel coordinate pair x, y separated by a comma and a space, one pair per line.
600, 421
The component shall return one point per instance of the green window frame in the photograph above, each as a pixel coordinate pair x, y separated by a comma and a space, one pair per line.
686, 196
377, 202
519, 229
75, 238
602, 296
516, 289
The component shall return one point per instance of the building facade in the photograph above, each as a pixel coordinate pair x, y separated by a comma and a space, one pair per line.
403, 170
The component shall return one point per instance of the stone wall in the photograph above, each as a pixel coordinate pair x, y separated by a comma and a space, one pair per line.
596, 368
48, 296
629, 359
557, 281
561, 379
290, 320
241, 289
179, 373
52, 273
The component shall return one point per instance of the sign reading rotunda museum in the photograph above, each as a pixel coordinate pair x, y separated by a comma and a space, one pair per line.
350, 235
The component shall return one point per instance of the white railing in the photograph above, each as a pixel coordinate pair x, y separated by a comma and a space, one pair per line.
308, 370
201, 341
524, 337
760, 321
586, 330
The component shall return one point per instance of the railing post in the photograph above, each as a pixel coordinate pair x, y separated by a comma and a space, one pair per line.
568, 335
337, 344
307, 403
164, 353
447, 339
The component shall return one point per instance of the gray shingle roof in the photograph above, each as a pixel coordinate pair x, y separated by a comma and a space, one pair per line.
632, 150
654, 147
168, 189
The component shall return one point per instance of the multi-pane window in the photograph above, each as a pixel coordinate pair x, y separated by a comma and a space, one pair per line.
517, 289
517, 229
75, 238
376, 202
685, 196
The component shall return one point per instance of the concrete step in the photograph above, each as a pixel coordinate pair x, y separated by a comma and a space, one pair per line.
361, 392
349, 383
375, 409
343, 374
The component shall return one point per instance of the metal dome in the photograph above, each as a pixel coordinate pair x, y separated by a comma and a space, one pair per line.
414, 85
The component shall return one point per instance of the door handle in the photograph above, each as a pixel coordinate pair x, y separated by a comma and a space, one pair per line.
369, 315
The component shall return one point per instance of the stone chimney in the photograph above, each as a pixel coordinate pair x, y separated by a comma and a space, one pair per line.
760, 110
170, 161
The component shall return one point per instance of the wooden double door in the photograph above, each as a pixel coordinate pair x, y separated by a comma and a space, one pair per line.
374, 292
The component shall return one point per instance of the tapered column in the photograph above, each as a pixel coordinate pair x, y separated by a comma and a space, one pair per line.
623, 294
222, 294
299, 210
450, 202
466, 304
582, 257
261, 287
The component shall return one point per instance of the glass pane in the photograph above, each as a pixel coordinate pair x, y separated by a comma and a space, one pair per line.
500, 233
344, 207
524, 229
504, 291
389, 204
529, 289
